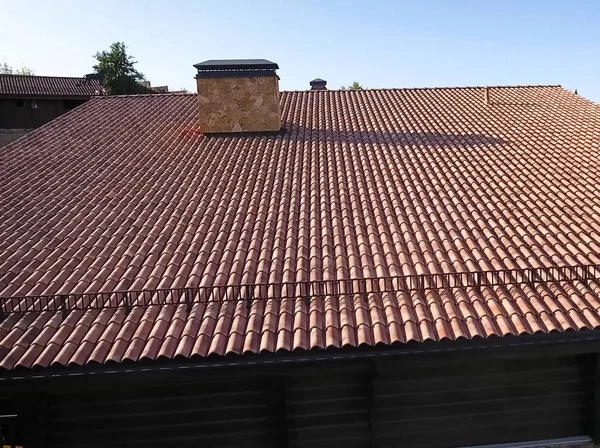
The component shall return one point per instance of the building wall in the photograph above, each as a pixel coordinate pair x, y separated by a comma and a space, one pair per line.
427, 402
19, 113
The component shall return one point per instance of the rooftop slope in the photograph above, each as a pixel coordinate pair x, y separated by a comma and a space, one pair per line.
124, 194
48, 86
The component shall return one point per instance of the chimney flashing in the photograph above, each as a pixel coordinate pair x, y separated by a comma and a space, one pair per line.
205, 74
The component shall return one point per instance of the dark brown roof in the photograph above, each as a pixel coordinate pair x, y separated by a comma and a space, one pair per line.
124, 194
48, 86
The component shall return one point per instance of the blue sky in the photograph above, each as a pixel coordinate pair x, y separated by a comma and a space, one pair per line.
379, 43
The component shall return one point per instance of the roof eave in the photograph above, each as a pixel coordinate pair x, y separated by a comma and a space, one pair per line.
45, 96
536, 345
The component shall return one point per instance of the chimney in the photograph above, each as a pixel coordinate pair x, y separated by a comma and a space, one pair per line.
318, 84
486, 95
238, 95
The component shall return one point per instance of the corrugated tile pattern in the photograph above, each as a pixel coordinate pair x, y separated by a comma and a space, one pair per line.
48, 86
124, 194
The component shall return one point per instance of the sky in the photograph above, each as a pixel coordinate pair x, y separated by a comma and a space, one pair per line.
381, 43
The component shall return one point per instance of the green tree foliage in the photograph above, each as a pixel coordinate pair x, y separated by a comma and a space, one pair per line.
354, 86
117, 69
6, 69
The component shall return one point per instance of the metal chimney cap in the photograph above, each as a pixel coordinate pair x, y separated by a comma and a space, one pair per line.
236, 64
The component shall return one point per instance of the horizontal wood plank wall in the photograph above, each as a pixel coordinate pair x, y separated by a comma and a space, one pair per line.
187, 414
388, 402
492, 402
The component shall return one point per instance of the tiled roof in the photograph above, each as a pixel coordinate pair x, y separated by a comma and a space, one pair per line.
48, 86
124, 194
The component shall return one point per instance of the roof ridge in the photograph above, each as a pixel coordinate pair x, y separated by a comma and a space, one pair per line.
136, 95
515, 86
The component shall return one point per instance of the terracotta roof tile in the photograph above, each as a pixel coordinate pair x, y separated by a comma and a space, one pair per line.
123, 195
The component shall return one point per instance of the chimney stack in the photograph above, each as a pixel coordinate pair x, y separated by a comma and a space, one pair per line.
318, 84
486, 95
238, 95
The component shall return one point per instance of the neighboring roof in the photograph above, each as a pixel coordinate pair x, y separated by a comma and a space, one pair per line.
48, 86
124, 194
160, 89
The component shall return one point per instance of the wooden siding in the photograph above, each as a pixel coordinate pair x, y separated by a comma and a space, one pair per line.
387, 402
18, 113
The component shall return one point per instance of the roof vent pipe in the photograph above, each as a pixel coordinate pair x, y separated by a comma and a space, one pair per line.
486, 95
318, 84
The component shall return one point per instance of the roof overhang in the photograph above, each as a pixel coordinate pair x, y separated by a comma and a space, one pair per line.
46, 97
537, 345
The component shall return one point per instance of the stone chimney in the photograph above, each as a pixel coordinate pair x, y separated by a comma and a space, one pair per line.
238, 95
318, 84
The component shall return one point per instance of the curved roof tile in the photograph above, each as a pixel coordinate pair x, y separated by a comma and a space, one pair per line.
125, 193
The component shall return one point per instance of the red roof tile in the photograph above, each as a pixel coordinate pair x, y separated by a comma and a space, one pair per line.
123, 194
48, 86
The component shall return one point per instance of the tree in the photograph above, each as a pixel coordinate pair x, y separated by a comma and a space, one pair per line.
117, 70
6, 69
355, 86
